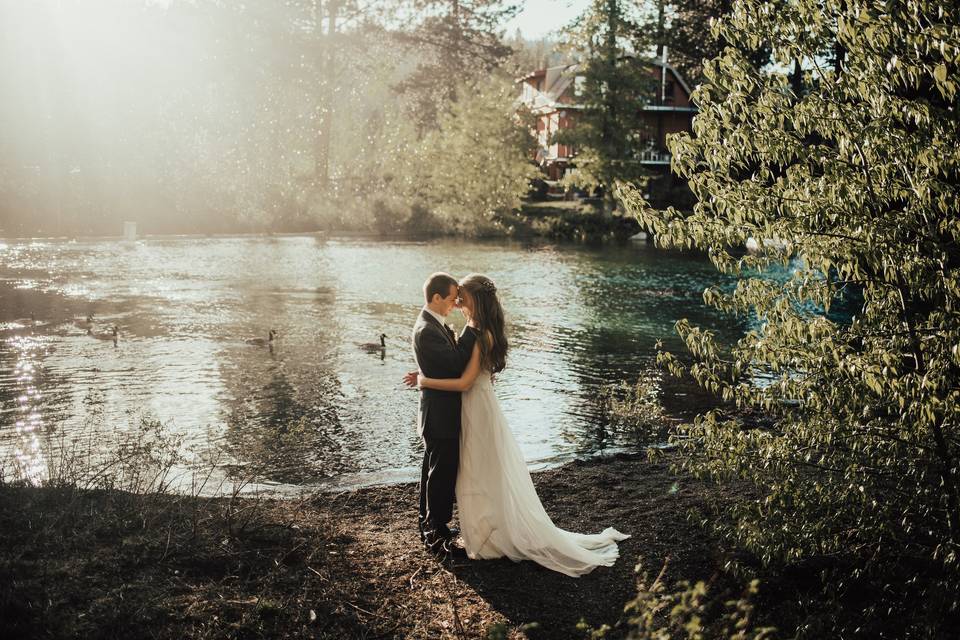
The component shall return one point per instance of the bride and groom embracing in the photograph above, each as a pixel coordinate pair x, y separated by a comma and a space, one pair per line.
470, 450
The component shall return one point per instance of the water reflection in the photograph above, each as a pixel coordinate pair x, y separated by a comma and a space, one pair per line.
20, 404
319, 405
274, 436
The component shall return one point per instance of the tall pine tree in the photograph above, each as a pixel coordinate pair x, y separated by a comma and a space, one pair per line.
459, 43
609, 130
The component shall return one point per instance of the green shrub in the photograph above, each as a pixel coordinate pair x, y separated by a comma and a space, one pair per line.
698, 611
635, 411
850, 165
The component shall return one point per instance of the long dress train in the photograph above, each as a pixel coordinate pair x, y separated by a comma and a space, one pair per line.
500, 512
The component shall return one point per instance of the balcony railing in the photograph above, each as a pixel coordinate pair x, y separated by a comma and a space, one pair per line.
654, 156
648, 156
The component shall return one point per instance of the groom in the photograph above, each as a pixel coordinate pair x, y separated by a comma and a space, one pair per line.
439, 355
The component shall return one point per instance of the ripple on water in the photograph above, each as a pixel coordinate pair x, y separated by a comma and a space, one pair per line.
22, 408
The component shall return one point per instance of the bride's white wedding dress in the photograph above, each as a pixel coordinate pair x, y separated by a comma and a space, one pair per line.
500, 512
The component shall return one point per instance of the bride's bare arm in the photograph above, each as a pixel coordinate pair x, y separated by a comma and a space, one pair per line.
464, 382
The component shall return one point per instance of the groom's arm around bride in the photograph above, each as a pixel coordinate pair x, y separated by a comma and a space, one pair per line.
439, 355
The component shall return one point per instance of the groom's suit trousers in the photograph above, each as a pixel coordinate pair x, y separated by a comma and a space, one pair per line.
438, 480
439, 355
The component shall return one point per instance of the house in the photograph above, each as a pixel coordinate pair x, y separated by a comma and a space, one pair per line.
552, 95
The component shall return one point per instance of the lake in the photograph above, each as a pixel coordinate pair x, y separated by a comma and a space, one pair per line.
319, 408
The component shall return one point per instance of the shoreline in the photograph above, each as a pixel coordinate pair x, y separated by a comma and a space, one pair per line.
550, 221
329, 235
361, 480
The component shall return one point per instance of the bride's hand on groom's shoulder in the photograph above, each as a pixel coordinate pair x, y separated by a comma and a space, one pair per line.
410, 378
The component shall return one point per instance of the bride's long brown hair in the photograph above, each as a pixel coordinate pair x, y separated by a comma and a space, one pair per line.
488, 316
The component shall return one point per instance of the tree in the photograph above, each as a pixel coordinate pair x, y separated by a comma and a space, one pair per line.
609, 128
534, 54
459, 43
681, 27
333, 73
471, 171
853, 166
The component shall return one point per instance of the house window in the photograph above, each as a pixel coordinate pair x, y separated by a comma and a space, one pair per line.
668, 92
578, 85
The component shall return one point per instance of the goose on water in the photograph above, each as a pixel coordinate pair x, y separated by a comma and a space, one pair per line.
27, 322
86, 323
263, 342
373, 347
113, 334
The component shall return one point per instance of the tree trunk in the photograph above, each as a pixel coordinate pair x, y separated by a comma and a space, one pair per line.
324, 110
611, 118
796, 79
457, 43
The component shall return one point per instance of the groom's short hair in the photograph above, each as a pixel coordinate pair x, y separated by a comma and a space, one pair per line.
438, 283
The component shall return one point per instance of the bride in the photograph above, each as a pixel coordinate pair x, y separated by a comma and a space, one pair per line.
500, 512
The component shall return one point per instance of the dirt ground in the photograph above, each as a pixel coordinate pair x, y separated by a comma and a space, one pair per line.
347, 565
640, 498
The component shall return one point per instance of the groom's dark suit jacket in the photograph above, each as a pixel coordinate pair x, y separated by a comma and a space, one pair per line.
440, 355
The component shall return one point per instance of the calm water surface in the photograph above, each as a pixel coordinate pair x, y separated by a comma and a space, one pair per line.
318, 408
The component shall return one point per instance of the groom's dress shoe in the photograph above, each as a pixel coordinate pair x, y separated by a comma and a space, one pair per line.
453, 550
443, 547
447, 532
448, 549
433, 542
